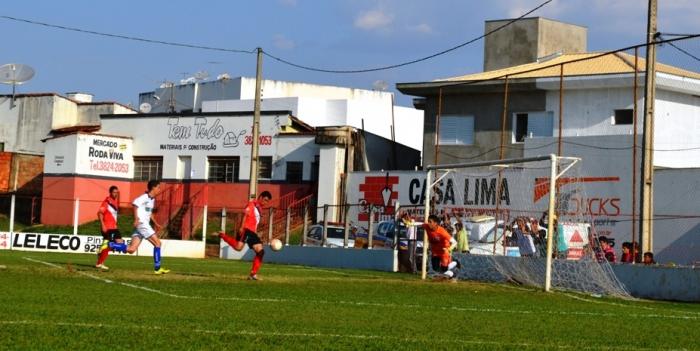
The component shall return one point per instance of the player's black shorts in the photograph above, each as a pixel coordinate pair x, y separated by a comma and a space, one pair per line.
111, 235
249, 237
436, 262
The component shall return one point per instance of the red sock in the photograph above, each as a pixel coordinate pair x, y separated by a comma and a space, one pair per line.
229, 239
257, 262
103, 256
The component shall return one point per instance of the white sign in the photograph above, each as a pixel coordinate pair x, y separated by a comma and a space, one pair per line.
90, 154
56, 242
67, 243
104, 156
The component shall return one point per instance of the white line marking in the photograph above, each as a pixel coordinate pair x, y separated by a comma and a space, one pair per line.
269, 334
79, 272
385, 305
580, 298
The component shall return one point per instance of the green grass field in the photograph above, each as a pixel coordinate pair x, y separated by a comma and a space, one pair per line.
59, 301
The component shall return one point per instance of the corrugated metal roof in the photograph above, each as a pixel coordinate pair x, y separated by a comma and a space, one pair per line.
585, 64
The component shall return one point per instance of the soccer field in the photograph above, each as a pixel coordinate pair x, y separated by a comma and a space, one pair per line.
59, 301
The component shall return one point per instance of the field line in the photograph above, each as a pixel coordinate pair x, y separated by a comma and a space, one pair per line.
270, 334
79, 272
581, 298
383, 305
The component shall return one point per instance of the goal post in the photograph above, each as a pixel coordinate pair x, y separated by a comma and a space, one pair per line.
526, 221
430, 184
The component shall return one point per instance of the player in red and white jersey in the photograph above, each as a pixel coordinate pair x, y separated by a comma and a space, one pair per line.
247, 234
107, 214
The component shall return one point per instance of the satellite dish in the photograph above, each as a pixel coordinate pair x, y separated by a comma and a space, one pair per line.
15, 73
380, 85
145, 107
201, 75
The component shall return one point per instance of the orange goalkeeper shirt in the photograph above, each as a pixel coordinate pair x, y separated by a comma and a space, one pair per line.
439, 240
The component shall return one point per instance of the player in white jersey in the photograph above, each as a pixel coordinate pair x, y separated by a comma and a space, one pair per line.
143, 209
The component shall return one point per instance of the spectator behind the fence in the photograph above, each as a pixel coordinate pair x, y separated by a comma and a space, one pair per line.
606, 249
524, 238
627, 256
462, 238
539, 236
648, 258
636, 253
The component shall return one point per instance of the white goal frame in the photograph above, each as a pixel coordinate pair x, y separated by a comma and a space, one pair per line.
554, 176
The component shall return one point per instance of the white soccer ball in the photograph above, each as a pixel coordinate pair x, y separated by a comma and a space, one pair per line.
276, 245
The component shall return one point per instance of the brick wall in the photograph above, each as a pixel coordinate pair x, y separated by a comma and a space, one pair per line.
27, 168
5, 167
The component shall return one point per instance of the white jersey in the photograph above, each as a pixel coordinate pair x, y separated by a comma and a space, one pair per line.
144, 205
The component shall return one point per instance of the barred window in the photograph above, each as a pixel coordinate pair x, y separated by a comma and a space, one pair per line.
224, 169
265, 167
148, 168
295, 172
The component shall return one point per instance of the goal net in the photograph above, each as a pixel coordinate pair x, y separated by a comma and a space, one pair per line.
512, 232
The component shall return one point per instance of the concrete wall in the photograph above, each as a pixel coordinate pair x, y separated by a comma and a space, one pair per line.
528, 39
487, 109
332, 164
381, 155
660, 283
677, 126
377, 260
31, 119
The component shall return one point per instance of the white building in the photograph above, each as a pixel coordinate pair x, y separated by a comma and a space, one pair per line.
316, 105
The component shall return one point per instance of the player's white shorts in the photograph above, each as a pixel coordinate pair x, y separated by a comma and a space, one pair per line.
143, 231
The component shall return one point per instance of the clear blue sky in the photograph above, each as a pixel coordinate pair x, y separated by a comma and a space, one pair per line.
333, 34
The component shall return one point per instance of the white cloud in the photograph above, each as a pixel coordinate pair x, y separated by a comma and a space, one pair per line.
422, 28
373, 19
282, 42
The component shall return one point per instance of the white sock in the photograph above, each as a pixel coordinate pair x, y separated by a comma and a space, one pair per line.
449, 274
452, 265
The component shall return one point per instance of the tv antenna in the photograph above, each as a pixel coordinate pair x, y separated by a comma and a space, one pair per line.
15, 74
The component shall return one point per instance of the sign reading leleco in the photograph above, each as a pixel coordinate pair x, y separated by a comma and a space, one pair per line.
54, 242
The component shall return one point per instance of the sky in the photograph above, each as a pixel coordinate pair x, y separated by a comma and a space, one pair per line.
328, 34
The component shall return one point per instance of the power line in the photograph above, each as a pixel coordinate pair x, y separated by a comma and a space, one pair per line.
126, 37
684, 51
383, 68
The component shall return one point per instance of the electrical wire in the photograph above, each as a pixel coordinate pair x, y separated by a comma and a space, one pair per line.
684, 51
425, 58
126, 37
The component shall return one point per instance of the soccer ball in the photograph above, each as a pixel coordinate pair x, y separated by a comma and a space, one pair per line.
276, 245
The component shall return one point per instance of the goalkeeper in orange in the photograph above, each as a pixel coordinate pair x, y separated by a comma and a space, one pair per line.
441, 243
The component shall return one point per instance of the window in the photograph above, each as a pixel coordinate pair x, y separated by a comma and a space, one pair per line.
148, 168
295, 171
532, 125
2, 147
456, 130
265, 167
623, 117
223, 169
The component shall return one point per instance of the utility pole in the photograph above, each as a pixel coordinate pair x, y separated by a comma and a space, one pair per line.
646, 235
253, 187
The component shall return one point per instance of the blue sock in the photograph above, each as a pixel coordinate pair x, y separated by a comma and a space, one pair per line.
118, 246
156, 257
